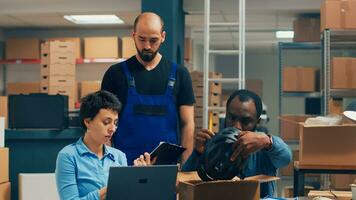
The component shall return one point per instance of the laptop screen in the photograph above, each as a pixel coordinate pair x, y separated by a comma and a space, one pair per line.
156, 182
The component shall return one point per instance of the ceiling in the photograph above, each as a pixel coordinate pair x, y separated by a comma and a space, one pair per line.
263, 17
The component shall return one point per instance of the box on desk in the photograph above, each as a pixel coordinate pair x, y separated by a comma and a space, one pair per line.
327, 145
191, 187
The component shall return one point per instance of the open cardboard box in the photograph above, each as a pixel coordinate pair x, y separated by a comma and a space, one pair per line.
191, 187
327, 145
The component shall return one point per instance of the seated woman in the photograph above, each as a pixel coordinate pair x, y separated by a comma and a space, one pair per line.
82, 168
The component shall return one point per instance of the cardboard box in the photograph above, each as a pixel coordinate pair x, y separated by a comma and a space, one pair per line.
57, 58
68, 90
254, 85
2, 132
336, 106
214, 122
198, 91
299, 79
343, 73
4, 109
327, 145
58, 47
4, 165
101, 47
22, 48
198, 112
348, 14
128, 47
77, 44
23, 88
215, 87
306, 29
342, 181
289, 126
198, 102
188, 49
190, 187
289, 170
214, 100
5, 191
198, 121
338, 14
58, 70
37, 186
330, 15
60, 81
339, 195
87, 87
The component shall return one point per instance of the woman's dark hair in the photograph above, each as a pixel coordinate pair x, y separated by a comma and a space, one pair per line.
246, 95
92, 103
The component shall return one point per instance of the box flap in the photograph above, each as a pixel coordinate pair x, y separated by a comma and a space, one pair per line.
262, 178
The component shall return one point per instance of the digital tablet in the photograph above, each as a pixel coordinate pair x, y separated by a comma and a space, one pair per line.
166, 153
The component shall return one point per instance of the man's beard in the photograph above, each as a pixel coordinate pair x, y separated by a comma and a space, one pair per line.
147, 55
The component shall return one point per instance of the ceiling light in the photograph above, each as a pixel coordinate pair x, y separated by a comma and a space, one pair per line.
284, 34
94, 19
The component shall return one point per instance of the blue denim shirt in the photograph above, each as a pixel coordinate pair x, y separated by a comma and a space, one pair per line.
80, 173
261, 162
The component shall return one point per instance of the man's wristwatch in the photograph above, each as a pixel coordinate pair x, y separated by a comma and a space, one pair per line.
269, 147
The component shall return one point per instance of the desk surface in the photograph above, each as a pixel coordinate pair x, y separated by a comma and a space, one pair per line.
326, 167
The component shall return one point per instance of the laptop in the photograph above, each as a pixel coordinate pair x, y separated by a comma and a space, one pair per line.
156, 182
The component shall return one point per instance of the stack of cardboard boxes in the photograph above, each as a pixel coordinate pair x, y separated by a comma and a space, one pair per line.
58, 69
214, 99
4, 174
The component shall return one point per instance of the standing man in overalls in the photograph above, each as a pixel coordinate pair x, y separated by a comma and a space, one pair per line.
156, 94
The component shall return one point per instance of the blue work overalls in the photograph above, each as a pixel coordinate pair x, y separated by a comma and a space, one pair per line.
146, 119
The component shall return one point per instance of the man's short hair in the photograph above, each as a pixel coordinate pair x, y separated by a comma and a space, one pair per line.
139, 16
246, 95
92, 103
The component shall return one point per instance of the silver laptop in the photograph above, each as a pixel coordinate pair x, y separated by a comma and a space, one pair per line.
156, 182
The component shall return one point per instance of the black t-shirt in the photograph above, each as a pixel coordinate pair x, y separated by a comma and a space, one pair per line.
153, 82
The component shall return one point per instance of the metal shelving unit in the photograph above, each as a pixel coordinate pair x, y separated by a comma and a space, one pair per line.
240, 52
5, 63
284, 46
341, 40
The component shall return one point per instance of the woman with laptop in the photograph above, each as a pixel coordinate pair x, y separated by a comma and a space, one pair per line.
82, 168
